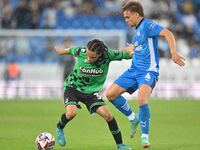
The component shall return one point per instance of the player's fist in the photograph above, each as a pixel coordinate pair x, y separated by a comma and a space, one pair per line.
58, 50
178, 59
130, 49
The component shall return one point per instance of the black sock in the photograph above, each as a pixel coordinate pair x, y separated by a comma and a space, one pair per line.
115, 131
62, 122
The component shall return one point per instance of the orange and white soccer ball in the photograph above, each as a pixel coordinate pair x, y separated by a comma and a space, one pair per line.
45, 141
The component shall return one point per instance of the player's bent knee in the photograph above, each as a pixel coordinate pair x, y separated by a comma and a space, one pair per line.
70, 115
105, 114
110, 95
142, 100
108, 117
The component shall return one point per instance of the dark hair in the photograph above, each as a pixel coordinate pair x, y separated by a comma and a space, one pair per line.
133, 6
99, 47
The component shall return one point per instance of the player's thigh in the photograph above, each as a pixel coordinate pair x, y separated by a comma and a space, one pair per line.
104, 112
114, 91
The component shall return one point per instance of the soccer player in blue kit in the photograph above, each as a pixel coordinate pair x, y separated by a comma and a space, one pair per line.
144, 71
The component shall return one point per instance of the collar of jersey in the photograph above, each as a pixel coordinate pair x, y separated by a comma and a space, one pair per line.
139, 23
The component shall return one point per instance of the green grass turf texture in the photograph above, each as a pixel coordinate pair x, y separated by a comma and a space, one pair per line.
175, 125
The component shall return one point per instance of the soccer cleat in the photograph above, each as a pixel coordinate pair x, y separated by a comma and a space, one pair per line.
123, 147
134, 124
145, 142
61, 137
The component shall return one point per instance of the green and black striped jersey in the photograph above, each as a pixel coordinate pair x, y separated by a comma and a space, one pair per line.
89, 78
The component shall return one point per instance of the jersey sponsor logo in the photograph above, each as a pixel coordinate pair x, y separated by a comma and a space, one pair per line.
137, 46
91, 71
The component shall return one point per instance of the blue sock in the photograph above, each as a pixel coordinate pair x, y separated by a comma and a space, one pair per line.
121, 104
144, 117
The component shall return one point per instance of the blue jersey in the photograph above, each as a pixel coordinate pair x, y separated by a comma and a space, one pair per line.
145, 41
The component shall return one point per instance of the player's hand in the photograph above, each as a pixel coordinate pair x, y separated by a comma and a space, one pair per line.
61, 51
178, 59
58, 50
130, 49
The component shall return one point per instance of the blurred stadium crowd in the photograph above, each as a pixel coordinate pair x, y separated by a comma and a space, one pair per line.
181, 16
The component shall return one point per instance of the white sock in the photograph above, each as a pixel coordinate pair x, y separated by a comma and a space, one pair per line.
145, 136
131, 116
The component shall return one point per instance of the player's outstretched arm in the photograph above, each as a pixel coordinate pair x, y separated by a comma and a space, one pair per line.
168, 35
61, 51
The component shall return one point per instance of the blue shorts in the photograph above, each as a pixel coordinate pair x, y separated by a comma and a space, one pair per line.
131, 81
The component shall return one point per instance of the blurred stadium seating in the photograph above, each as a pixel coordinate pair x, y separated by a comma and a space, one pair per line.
36, 16
181, 16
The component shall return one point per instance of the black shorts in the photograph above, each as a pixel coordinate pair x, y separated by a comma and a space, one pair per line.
92, 101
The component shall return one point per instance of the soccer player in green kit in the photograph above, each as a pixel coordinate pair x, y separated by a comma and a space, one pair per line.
85, 82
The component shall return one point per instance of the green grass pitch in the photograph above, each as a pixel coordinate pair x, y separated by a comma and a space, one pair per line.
175, 125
